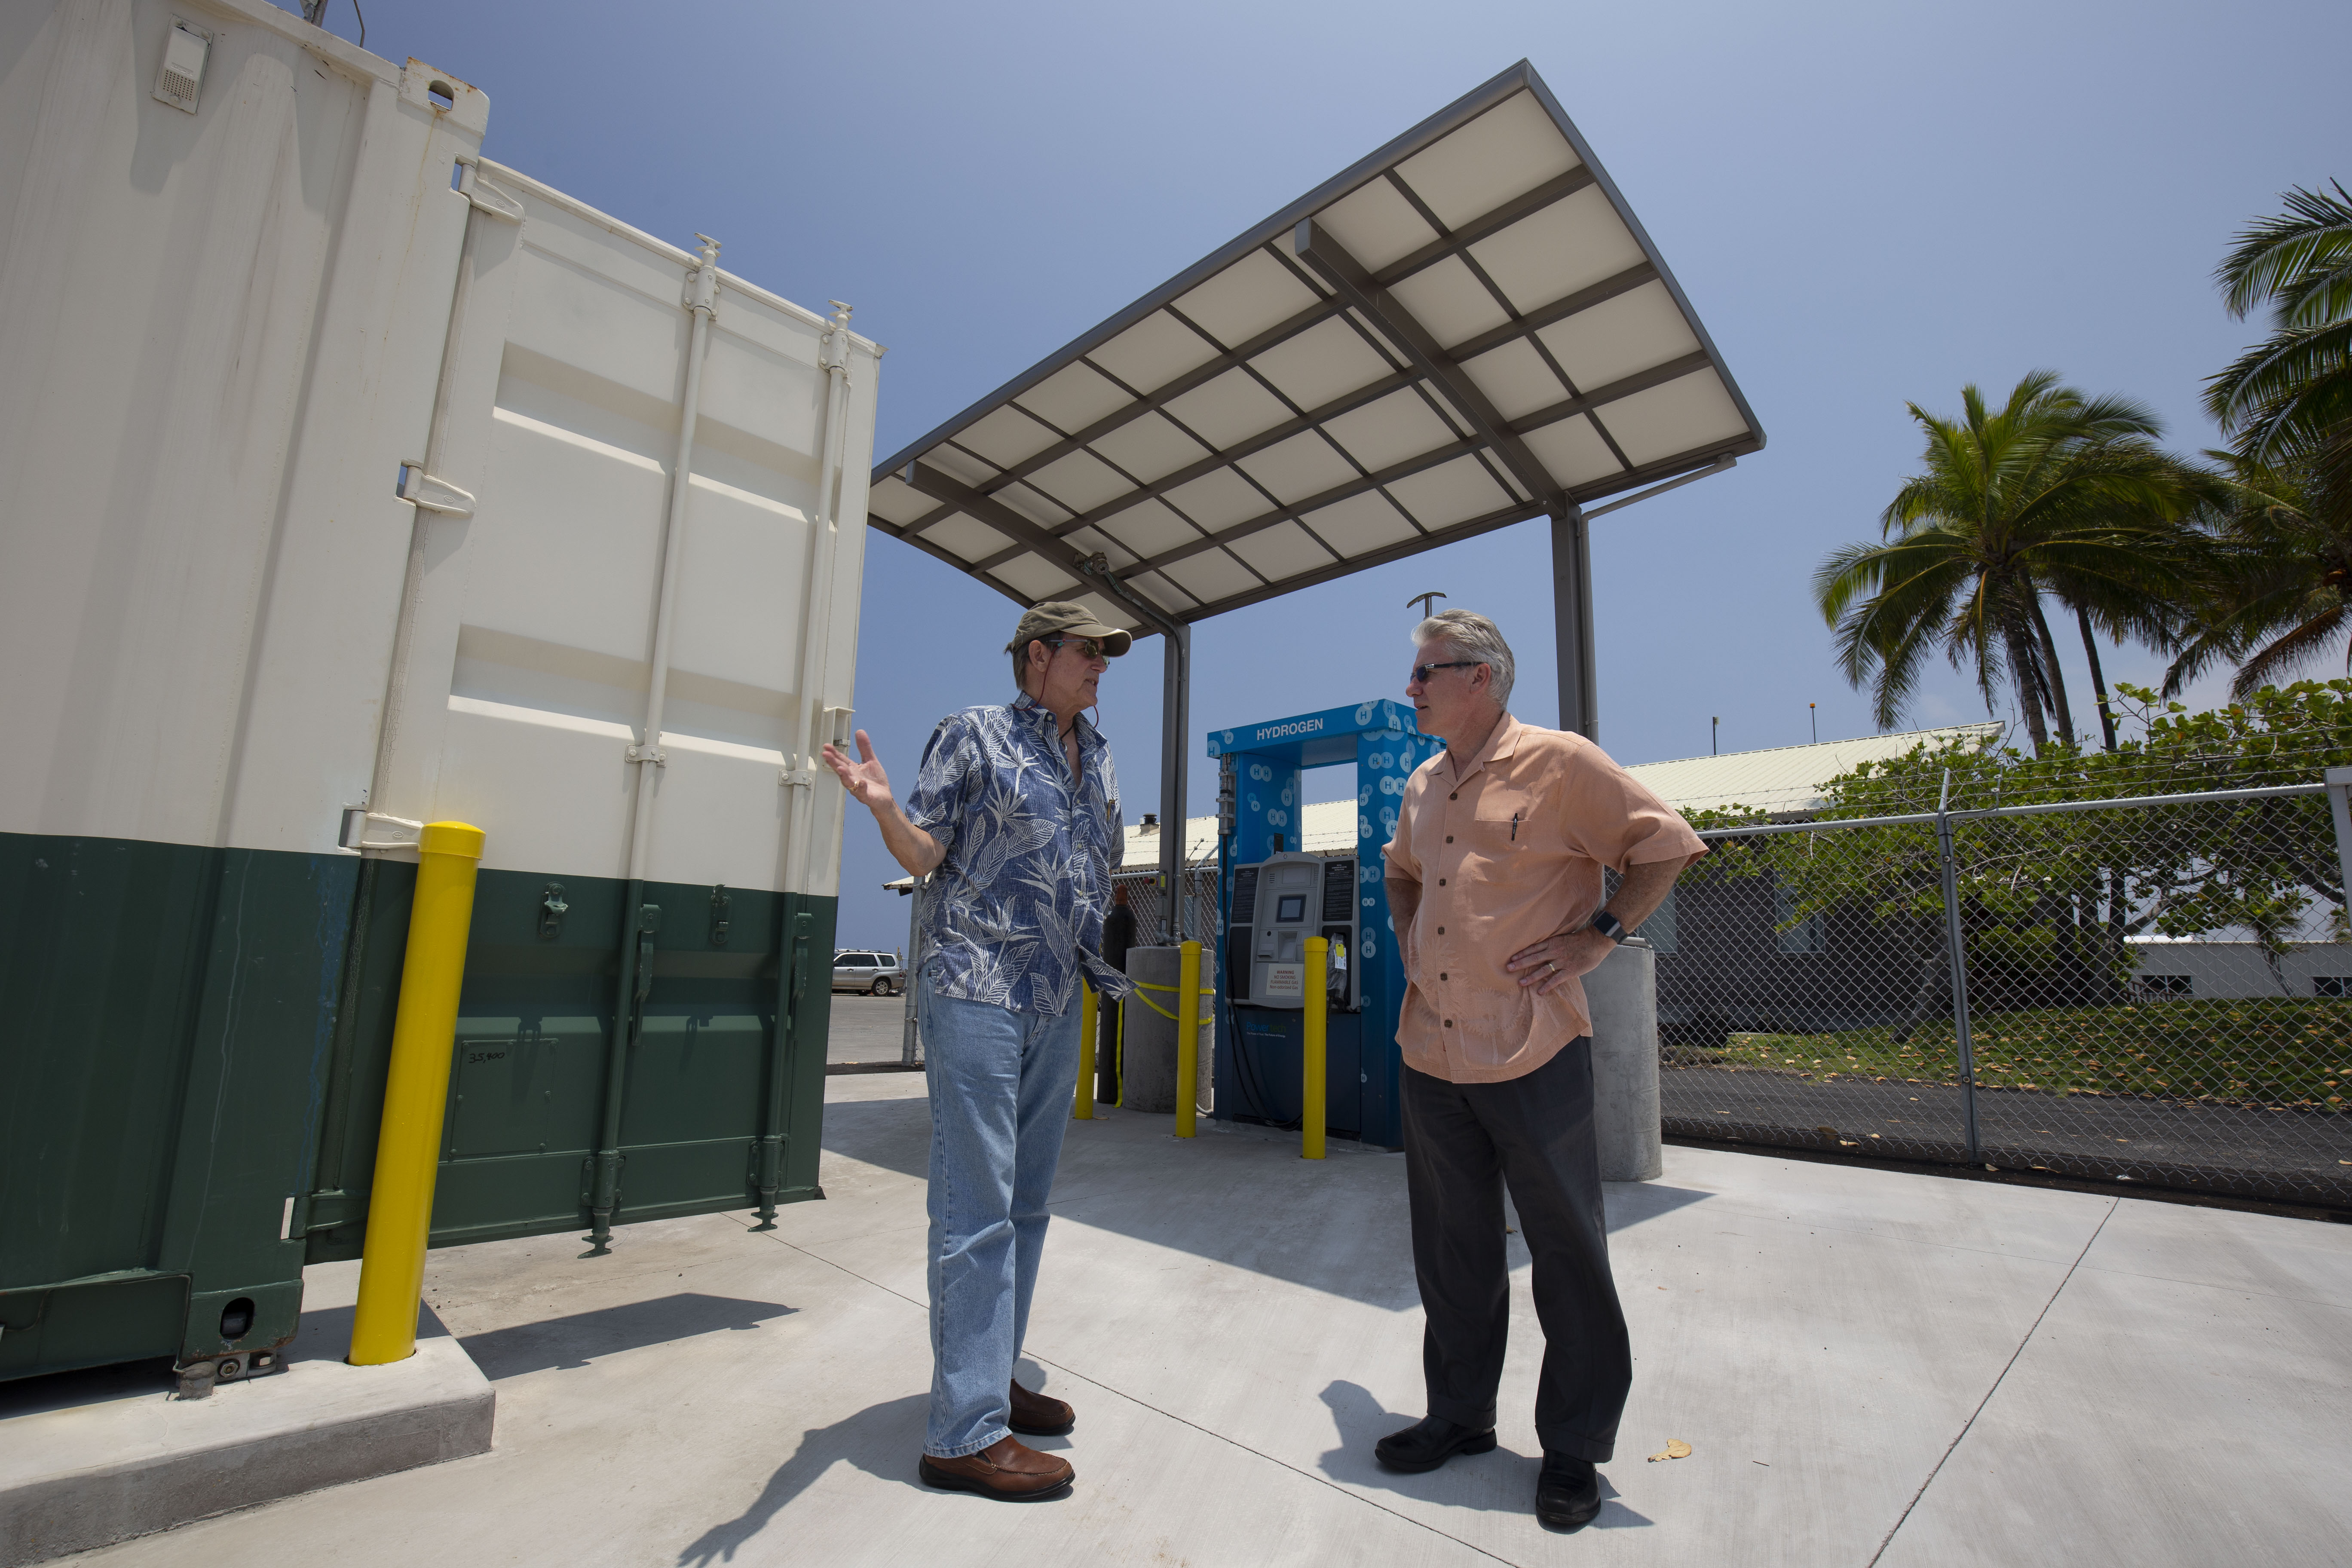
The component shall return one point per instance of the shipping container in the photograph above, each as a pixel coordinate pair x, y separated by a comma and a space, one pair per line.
353, 481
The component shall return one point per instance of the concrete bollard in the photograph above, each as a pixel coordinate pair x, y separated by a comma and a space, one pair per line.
1150, 1069
1622, 994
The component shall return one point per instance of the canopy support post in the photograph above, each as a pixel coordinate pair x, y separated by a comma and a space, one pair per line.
1571, 610
1175, 726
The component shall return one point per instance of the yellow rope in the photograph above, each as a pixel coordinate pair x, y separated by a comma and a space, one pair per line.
1146, 985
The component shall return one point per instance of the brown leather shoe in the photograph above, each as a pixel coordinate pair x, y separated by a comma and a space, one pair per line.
1006, 1469
1038, 1415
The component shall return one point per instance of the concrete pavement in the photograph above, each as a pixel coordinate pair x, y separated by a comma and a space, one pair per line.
1870, 1366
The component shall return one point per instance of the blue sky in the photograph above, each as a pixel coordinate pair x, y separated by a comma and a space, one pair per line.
1866, 204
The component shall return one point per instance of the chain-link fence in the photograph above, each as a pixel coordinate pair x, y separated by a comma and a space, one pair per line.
2156, 990
1149, 902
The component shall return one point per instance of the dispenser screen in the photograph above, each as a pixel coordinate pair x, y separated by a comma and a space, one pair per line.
1289, 909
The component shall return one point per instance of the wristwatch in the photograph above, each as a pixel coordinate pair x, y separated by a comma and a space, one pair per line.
1609, 925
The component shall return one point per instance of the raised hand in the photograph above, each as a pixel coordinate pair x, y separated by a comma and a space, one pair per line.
863, 779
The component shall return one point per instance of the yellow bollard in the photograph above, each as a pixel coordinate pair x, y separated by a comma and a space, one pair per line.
1317, 1094
1188, 1037
1085, 1111
416, 1094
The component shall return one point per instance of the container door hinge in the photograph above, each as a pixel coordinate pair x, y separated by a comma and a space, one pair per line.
551, 910
486, 196
650, 920
702, 284
391, 832
431, 494
840, 731
833, 351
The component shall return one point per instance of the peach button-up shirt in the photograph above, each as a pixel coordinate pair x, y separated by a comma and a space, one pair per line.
1508, 853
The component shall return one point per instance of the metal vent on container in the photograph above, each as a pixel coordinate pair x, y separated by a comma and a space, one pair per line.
181, 78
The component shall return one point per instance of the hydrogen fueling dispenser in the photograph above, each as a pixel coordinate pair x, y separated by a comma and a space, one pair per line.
1274, 891
1274, 907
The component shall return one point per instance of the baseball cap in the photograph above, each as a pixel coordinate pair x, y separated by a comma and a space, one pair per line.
1058, 617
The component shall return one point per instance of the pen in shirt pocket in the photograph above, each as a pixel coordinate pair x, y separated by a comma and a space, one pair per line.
1515, 828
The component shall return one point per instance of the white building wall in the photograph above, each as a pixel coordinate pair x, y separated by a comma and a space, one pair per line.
2237, 969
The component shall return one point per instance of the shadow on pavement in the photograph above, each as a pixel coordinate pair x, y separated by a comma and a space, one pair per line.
1339, 1226
575, 1341
1499, 1482
1631, 1203
883, 1440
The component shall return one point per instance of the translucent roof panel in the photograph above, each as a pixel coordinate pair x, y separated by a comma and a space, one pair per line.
1466, 330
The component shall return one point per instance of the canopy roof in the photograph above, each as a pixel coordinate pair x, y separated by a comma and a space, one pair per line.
1466, 330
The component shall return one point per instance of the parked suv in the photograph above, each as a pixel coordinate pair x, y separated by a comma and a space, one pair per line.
875, 974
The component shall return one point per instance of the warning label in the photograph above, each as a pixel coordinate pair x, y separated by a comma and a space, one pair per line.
1286, 980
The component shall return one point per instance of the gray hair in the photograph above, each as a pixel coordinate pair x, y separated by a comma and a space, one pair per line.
1473, 635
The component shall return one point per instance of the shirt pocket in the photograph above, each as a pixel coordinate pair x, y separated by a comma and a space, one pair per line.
1502, 824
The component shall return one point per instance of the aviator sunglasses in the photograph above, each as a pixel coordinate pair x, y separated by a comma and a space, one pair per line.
1091, 648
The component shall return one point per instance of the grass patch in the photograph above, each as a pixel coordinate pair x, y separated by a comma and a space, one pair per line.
2275, 1053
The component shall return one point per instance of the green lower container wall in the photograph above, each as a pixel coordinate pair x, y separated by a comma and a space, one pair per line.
165, 1028
195, 1042
535, 1023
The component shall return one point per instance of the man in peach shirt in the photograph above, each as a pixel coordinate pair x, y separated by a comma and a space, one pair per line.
1494, 882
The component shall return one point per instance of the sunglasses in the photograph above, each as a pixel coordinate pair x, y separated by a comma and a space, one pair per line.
1091, 648
1422, 672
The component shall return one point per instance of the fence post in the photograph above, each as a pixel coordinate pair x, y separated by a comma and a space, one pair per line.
1957, 946
2339, 802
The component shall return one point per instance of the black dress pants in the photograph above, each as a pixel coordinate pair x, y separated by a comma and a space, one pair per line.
1461, 1143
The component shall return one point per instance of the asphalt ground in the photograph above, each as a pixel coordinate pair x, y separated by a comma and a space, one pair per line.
2292, 1156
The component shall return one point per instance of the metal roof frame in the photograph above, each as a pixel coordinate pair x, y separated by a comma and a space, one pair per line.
1355, 292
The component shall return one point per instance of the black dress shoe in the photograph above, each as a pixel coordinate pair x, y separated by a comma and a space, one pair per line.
1568, 1493
1429, 1443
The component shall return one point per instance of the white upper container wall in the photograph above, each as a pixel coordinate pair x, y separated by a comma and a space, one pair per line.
220, 328
535, 627
225, 331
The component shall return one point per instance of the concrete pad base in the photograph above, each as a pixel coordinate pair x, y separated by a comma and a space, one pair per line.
89, 1459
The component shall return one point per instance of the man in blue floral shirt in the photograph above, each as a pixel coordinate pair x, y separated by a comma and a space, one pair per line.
1015, 815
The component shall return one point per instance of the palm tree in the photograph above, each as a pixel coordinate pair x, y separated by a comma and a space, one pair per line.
2290, 395
2281, 593
2053, 492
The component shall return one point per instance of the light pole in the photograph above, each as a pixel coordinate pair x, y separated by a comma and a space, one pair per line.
1714, 727
1813, 712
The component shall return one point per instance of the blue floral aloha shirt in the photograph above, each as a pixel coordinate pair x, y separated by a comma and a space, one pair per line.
1014, 912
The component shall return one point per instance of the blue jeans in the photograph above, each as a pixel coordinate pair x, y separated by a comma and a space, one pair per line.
1001, 1084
